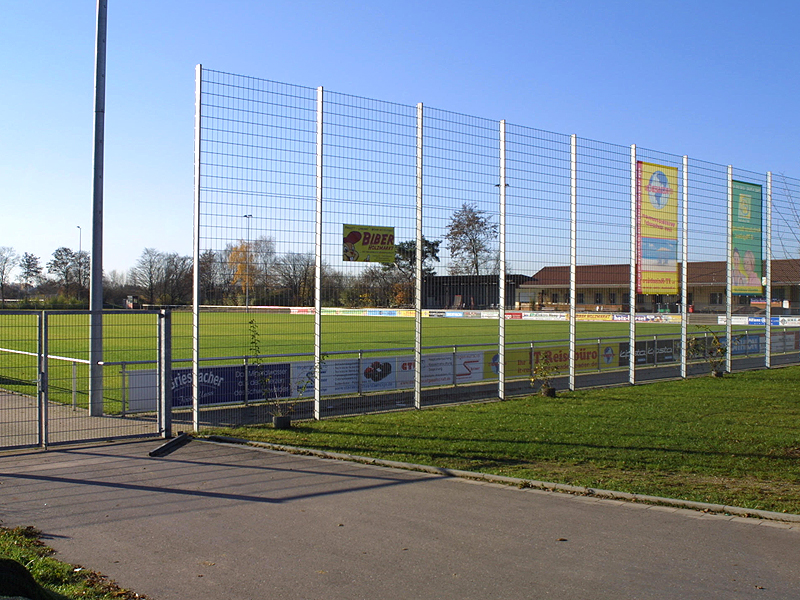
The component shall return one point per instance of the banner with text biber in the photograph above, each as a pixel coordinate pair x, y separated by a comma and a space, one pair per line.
364, 243
656, 229
746, 243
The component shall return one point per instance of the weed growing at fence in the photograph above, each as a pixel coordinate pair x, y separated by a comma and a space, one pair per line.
733, 441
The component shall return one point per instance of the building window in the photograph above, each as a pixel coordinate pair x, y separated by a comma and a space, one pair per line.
598, 298
612, 297
717, 298
639, 298
554, 298
581, 298
626, 298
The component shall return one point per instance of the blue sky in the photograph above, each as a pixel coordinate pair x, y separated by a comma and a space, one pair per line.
714, 80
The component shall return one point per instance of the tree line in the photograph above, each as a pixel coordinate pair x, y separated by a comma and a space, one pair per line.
253, 272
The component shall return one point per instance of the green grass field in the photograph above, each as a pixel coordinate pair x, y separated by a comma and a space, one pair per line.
732, 441
133, 337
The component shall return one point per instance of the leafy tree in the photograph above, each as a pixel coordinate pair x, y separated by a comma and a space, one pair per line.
8, 260
31, 269
470, 236
405, 259
63, 268
397, 278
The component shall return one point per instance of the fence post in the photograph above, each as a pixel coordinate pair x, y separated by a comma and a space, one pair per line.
633, 256
573, 255
418, 269
501, 354
165, 370
123, 375
768, 276
75, 387
41, 376
318, 263
246, 382
685, 270
729, 276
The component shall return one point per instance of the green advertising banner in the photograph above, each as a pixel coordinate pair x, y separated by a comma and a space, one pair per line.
746, 257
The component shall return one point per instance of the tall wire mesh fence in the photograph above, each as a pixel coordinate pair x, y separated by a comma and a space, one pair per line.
355, 255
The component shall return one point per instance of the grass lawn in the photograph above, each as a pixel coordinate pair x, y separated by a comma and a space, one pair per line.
23, 545
133, 337
733, 441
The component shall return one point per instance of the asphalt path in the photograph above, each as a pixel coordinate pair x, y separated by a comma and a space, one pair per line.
218, 522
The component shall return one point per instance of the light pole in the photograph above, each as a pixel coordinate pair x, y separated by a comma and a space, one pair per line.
247, 265
80, 247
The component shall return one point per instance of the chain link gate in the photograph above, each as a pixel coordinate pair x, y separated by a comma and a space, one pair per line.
44, 377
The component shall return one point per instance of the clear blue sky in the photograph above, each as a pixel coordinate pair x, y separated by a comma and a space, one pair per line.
717, 80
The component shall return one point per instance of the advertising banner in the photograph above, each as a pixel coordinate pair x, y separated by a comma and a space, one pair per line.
363, 243
650, 352
656, 229
746, 243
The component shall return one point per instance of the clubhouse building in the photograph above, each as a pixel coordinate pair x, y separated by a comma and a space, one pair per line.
606, 288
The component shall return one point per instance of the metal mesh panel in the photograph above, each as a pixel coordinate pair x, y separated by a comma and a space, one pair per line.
288, 173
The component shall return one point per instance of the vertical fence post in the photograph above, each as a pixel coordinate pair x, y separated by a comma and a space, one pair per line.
246, 381
768, 276
634, 233
41, 377
501, 351
418, 269
573, 255
685, 269
198, 90
75, 386
165, 371
123, 381
729, 277
318, 263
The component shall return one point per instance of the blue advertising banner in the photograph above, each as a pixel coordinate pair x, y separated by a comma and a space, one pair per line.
220, 385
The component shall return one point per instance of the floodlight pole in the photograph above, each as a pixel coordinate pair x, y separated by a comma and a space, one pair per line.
96, 285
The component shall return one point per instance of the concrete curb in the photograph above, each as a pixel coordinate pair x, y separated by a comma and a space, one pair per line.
515, 481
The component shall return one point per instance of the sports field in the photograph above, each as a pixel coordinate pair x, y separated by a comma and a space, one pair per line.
132, 339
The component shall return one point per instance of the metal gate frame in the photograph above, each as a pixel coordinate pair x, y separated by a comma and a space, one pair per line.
61, 423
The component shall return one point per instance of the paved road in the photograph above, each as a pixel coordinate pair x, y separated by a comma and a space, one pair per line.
218, 522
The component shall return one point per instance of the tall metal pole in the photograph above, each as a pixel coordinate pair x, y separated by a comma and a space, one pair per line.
633, 256
729, 278
418, 269
685, 271
318, 262
198, 90
573, 254
80, 258
501, 351
768, 277
96, 286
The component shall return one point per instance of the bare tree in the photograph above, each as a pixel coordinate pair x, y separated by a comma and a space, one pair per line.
470, 236
8, 260
148, 273
295, 274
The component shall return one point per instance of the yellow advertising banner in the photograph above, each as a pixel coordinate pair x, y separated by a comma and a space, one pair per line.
656, 229
365, 243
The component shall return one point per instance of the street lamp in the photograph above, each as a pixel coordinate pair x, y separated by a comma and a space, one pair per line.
80, 248
247, 265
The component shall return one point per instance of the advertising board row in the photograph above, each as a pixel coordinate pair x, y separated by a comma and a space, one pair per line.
233, 384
